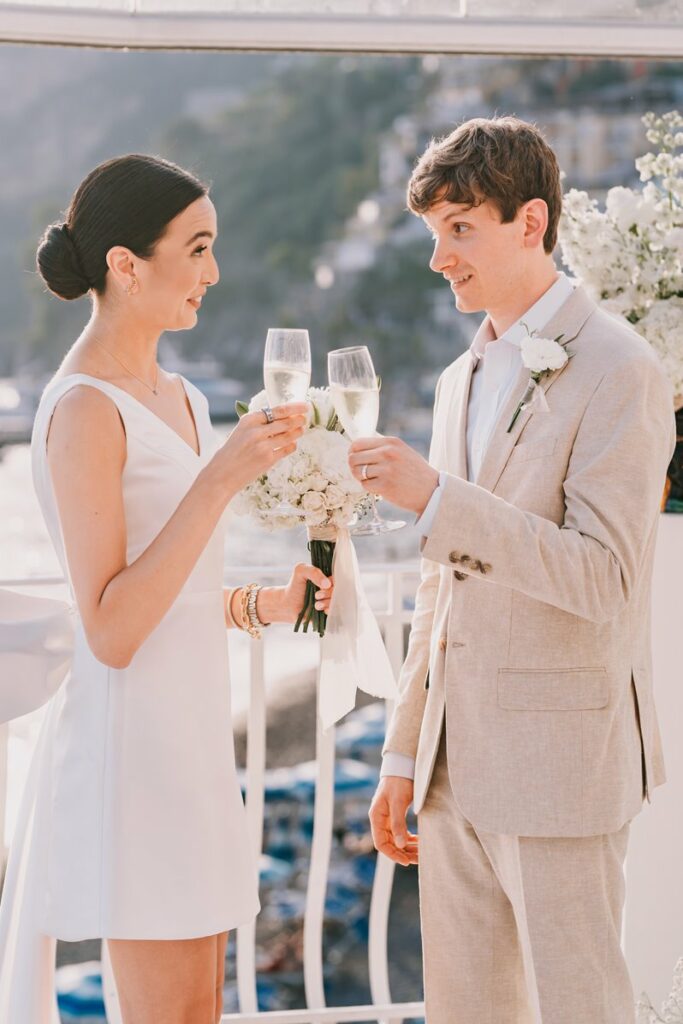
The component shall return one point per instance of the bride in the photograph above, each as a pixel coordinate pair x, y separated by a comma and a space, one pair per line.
132, 827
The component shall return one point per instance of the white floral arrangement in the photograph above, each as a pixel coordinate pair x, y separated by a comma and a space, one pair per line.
630, 256
672, 1010
314, 485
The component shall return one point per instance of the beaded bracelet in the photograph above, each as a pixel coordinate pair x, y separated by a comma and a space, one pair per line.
250, 619
254, 617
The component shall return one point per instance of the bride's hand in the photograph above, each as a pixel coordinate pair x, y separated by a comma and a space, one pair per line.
283, 604
255, 446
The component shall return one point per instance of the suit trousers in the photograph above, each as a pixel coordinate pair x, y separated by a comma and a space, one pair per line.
524, 930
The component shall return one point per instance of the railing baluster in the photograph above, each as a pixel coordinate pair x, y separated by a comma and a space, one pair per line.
378, 939
255, 775
323, 817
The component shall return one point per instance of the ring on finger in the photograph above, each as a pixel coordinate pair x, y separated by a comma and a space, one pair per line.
364, 472
268, 413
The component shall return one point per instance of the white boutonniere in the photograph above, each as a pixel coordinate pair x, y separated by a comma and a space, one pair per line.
541, 356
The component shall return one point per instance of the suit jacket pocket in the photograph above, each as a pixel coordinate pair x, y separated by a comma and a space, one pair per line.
574, 689
526, 450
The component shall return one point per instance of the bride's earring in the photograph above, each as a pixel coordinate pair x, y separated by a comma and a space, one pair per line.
132, 286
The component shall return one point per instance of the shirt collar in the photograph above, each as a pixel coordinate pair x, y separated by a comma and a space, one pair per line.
534, 319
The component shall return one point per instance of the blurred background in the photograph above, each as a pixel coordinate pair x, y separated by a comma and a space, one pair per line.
308, 156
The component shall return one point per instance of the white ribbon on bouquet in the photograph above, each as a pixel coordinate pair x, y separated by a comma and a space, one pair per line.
353, 655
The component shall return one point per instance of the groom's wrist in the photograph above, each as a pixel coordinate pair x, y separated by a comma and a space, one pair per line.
425, 521
426, 492
397, 765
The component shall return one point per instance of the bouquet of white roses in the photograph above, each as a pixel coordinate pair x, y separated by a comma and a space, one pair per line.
313, 486
630, 256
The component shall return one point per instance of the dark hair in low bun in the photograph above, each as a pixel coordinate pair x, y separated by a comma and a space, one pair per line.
59, 264
127, 201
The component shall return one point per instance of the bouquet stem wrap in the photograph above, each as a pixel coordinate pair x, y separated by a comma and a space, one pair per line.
353, 654
322, 541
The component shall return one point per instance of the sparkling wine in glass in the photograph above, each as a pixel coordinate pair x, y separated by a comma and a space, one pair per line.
355, 393
287, 377
287, 366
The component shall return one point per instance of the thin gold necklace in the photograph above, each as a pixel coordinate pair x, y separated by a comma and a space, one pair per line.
153, 388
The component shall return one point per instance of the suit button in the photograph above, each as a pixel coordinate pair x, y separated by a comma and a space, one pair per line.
454, 557
443, 643
459, 575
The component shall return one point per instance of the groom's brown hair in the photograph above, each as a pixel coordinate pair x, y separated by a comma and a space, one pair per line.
501, 159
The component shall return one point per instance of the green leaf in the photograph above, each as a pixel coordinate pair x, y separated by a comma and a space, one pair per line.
241, 408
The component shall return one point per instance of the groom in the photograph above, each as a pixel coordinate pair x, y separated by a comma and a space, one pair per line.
525, 735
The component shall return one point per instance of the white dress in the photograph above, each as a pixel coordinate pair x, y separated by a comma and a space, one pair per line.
132, 824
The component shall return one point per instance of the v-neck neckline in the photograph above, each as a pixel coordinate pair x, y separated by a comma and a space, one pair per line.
154, 415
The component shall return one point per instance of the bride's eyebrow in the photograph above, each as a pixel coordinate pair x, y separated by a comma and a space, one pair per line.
200, 234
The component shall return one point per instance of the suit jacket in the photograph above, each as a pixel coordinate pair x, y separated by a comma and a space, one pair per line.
531, 630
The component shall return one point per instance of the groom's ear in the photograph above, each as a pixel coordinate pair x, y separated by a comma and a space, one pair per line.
534, 216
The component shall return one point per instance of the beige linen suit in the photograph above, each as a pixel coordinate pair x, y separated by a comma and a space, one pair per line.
531, 641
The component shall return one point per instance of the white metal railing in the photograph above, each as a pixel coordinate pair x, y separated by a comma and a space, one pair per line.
392, 618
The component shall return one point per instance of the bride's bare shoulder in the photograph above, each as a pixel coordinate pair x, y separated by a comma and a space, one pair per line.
84, 418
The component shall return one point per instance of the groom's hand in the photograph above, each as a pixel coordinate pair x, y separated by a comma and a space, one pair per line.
387, 814
390, 467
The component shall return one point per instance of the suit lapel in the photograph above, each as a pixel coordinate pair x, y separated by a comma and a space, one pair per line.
455, 438
568, 321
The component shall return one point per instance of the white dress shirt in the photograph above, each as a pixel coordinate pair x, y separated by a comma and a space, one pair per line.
497, 362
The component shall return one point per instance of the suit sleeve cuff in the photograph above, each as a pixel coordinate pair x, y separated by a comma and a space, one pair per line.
398, 764
425, 521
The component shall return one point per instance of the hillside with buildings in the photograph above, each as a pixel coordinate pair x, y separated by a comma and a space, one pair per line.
308, 159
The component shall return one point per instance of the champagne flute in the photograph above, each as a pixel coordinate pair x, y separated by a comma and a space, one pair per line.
355, 393
287, 366
287, 377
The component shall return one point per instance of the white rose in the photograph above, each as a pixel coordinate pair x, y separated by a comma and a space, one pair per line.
258, 402
313, 443
323, 406
317, 519
313, 502
342, 516
541, 354
317, 481
334, 496
302, 485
